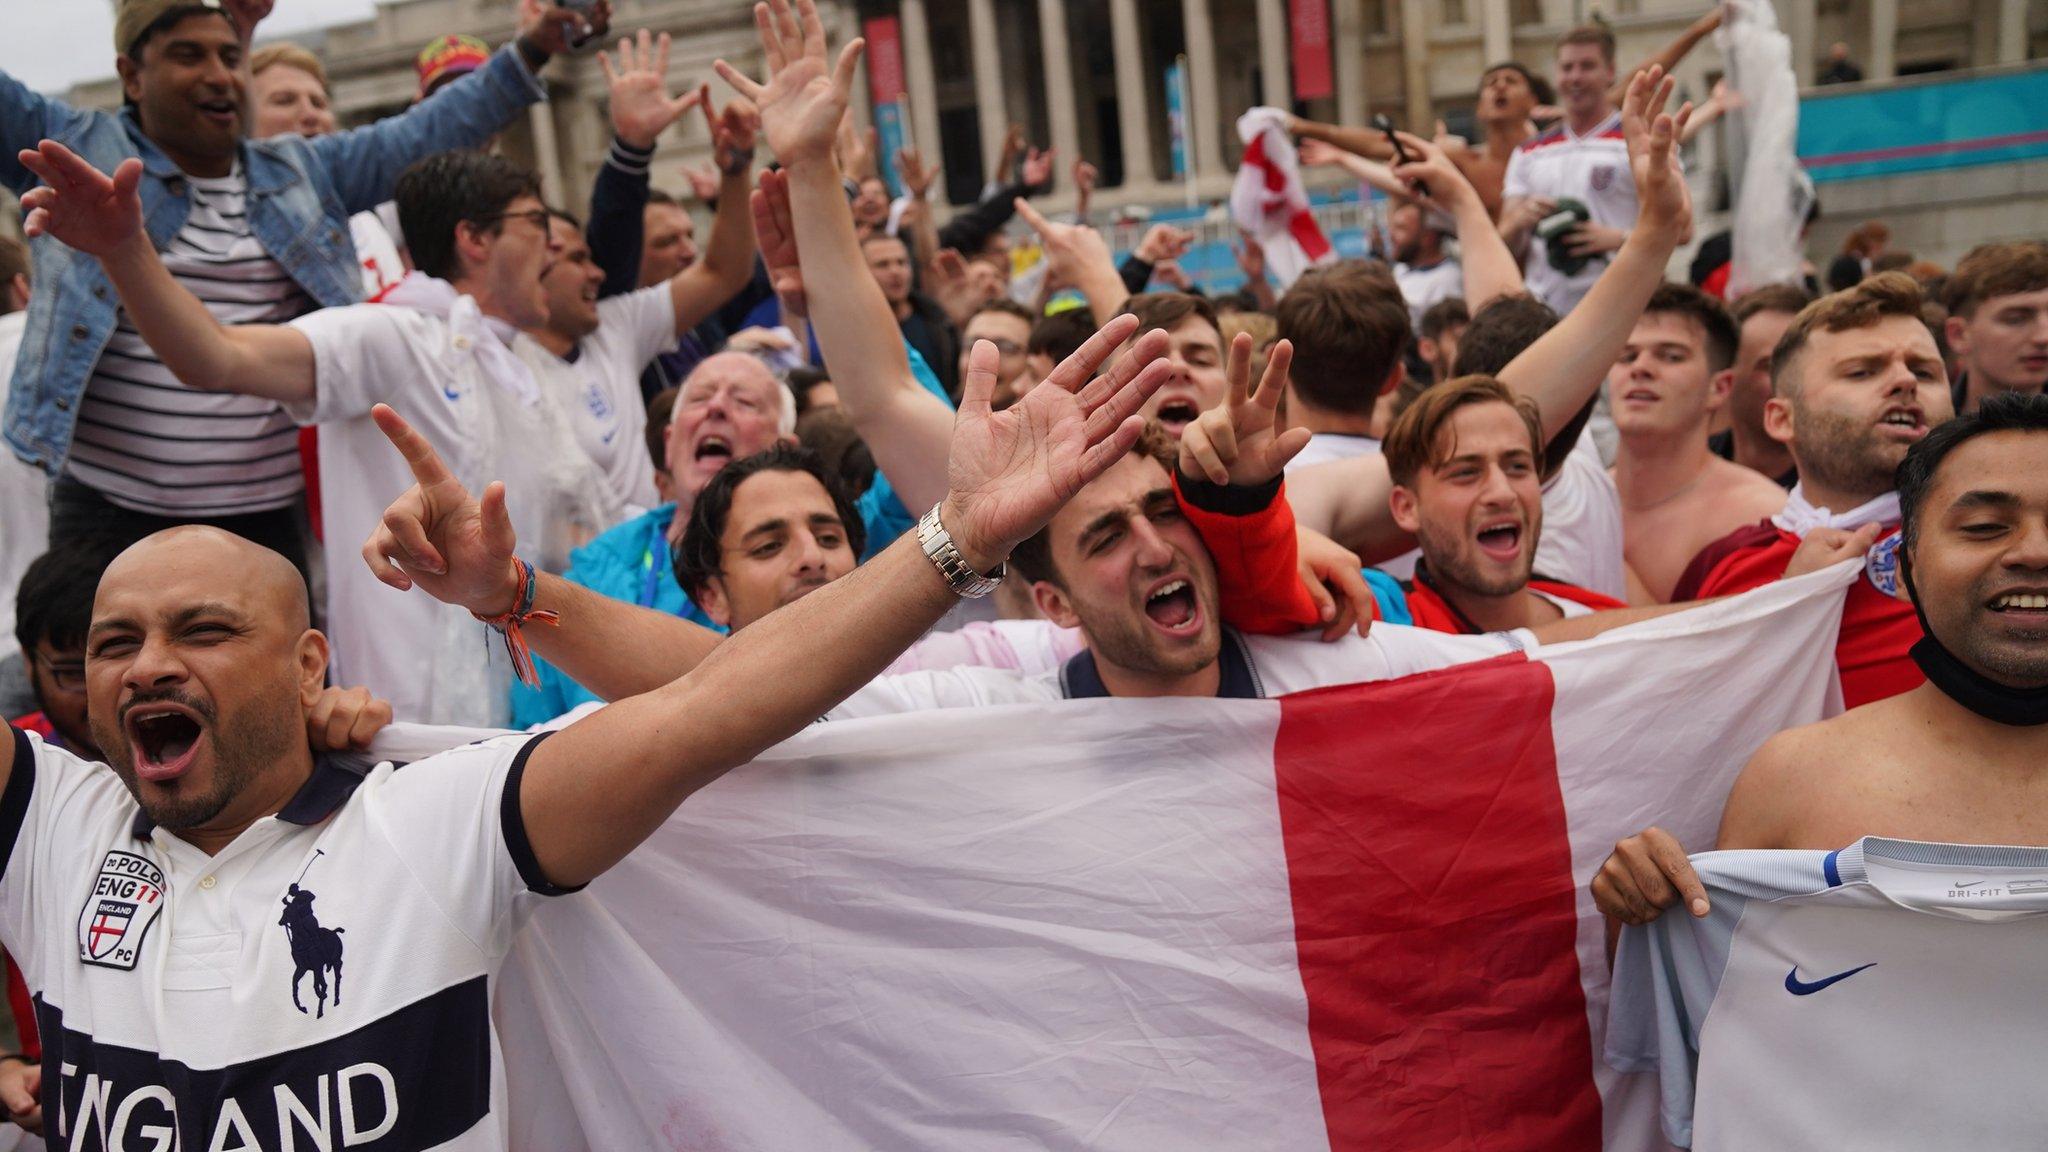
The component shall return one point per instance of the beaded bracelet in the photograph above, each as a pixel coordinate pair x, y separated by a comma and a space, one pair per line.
509, 624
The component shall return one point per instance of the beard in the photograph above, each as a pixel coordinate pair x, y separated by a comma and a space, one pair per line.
1845, 455
1127, 642
243, 748
1452, 562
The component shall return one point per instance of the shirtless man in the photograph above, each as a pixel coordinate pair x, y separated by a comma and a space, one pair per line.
1509, 95
1964, 757
1677, 497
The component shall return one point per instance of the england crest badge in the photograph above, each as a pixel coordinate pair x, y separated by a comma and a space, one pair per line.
1881, 565
1603, 177
124, 901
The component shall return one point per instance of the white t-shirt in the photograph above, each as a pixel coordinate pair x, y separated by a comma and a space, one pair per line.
600, 389
425, 657
1324, 447
1581, 541
1423, 288
324, 981
377, 252
149, 442
24, 497
1882, 996
1592, 169
1278, 664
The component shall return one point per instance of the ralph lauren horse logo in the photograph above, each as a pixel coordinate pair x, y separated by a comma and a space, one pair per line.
315, 950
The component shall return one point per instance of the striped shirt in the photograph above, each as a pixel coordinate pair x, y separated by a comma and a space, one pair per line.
149, 443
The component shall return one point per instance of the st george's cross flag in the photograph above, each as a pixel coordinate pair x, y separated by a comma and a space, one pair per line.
1269, 202
1355, 918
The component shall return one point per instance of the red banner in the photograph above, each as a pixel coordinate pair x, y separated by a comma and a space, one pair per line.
885, 59
1310, 34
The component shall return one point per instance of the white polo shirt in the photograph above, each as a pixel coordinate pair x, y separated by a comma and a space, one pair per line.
1592, 169
600, 389
324, 982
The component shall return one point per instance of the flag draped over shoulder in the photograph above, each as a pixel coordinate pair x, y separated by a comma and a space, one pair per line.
1269, 202
1354, 918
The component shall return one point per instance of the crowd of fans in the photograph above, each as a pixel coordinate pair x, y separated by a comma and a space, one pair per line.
382, 355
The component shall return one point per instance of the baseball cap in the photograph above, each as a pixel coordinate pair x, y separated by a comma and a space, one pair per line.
134, 17
449, 57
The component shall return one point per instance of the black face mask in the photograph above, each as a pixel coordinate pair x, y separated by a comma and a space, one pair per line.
1998, 703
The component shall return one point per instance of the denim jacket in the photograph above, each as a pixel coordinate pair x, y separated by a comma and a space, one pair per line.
301, 194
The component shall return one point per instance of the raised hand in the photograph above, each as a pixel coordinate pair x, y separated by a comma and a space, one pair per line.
1009, 471
78, 204
776, 233
803, 100
642, 109
1085, 177
1652, 137
1236, 442
1320, 154
917, 176
247, 14
1069, 248
440, 539
1251, 258
1163, 242
1433, 171
703, 182
734, 130
857, 149
1038, 169
554, 29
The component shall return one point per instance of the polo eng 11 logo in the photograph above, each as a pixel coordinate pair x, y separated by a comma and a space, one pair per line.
122, 904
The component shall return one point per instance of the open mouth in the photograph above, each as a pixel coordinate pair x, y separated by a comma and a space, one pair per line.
1906, 422
1639, 396
220, 111
165, 739
1501, 541
716, 448
1172, 606
2033, 604
1175, 415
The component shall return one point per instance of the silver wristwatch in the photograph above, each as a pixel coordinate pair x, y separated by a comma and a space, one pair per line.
938, 548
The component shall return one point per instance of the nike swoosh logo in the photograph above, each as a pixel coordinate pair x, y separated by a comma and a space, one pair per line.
1971, 884
1798, 987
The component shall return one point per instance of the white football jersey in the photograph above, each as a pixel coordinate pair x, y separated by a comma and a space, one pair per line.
1886, 995
1592, 169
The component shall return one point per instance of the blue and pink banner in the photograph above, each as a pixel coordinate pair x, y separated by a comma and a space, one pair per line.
1924, 127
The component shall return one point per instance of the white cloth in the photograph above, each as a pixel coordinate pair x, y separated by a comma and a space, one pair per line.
377, 252
1592, 169
1824, 988
1799, 516
1269, 201
1772, 192
1424, 288
153, 443
476, 402
166, 974
1581, 540
600, 389
1326, 447
24, 498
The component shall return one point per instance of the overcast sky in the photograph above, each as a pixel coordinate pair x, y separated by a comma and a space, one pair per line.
52, 44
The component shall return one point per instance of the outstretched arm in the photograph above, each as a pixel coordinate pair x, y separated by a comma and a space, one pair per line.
1490, 269
1079, 258
803, 209
641, 110
102, 216
1563, 369
728, 260
1672, 53
1370, 143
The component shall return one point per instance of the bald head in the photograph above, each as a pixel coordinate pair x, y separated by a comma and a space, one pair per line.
730, 407
236, 571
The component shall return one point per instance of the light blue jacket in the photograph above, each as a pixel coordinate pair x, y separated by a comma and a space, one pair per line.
301, 194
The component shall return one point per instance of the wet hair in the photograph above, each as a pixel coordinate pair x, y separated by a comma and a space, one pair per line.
1413, 443
699, 555
451, 188
2003, 412
1719, 328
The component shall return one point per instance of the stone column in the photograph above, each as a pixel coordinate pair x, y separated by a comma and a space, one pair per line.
547, 152
1497, 29
992, 110
1799, 27
1205, 132
1132, 85
1347, 41
1421, 110
922, 86
2012, 31
1884, 40
1059, 80
1274, 53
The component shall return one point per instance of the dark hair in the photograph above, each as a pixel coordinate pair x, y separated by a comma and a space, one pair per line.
171, 19
1538, 86
1721, 335
1500, 332
2002, 412
659, 410
53, 602
1349, 326
657, 196
1790, 299
1007, 307
1033, 558
1412, 444
452, 188
14, 261
699, 554
568, 218
1444, 315
1166, 310
1061, 334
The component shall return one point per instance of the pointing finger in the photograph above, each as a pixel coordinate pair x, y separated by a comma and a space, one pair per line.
420, 456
